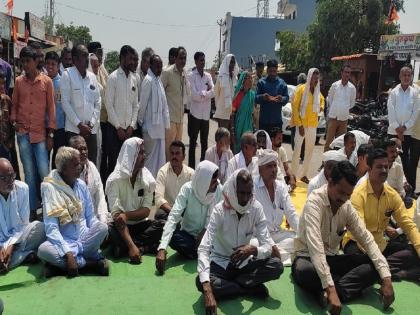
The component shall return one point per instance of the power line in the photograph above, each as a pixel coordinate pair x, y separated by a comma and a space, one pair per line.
132, 20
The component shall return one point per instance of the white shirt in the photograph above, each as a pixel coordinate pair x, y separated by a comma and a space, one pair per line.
187, 209
403, 109
200, 95
92, 179
147, 110
396, 178
362, 179
353, 156
81, 99
317, 182
168, 183
222, 163
341, 98
226, 231
122, 99
361, 138
223, 110
320, 234
275, 210
238, 161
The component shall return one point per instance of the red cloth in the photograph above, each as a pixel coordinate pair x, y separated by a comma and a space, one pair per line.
237, 101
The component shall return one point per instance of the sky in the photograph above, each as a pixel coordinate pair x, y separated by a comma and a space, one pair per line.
198, 18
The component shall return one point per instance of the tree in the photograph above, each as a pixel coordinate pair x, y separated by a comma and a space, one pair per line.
112, 61
340, 27
294, 51
76, 34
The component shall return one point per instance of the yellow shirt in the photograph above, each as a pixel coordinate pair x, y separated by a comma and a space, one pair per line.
376, 214
310, 119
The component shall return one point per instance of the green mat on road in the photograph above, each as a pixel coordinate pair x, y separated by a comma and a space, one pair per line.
138, 290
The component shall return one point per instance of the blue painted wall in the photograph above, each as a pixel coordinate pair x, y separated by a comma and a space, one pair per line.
256, 36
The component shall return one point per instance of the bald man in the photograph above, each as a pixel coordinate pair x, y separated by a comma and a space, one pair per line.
19, 239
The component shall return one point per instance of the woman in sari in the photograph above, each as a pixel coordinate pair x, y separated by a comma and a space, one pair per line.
242, 109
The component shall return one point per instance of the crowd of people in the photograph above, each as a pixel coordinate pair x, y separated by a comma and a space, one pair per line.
101, 151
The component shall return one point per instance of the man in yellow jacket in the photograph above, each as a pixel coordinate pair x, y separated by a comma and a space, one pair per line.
307, 103
376, 202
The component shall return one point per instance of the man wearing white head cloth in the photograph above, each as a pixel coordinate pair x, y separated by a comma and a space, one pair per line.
192, 208
275, 199
330, 159
308, 102
224, 90
130, 189
227, 264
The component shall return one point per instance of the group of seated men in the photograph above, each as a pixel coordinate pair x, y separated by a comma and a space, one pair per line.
236, 230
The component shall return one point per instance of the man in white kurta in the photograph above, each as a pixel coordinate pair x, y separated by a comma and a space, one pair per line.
18, 238
330, 158
154, 116
246, 157
92, 179
228, 265
275, 199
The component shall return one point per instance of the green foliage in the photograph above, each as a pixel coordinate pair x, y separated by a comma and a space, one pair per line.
112, 61
49, 26
341, 27
294, 52
76, 34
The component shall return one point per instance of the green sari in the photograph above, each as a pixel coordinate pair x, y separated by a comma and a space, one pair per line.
243, 117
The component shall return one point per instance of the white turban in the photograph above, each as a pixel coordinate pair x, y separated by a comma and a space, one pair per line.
201, 181
267, 156
268, 143
333, 155
231, 196
125, 165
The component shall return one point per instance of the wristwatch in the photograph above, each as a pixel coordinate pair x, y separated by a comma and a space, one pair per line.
51, 135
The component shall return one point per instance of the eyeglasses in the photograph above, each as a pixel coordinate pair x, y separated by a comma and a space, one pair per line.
8, 178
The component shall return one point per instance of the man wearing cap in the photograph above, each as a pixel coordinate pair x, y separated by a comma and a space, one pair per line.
330, 159
275, 199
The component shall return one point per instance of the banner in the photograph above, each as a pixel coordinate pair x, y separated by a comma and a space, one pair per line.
400, 46
5, 22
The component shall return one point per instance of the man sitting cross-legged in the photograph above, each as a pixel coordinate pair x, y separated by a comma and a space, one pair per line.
318, 267
192, 208
228, 265
170, 179
92, 179
19, 239
275, 199
130, 190
74, 234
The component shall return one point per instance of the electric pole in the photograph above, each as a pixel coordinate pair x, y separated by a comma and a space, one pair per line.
220, 23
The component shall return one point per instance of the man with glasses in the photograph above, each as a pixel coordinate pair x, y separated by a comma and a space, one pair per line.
19, 239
